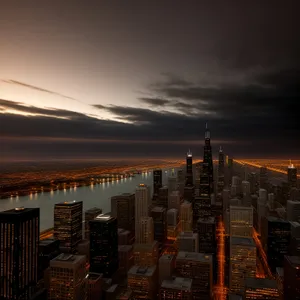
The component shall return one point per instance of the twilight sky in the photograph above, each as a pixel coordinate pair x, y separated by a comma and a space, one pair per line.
141, 78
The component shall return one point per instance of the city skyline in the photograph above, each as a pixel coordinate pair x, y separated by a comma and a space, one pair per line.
145, 78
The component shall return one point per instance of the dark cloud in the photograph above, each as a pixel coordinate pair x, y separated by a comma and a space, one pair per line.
154, 101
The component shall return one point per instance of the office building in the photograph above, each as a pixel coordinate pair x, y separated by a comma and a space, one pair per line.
199, 267
291, 282
242, 262
145, 233
172, 183
146, 255
263, 178
253, 182
188, 242
275, 238
221, 172
174, 200
125, 237
279, 276
159, 216
177, 288
207, 159
246, 189
206, 229
157, 181
189, 169
292, 176
162, 199
166, 267
68, 224
94, 288
126, 259
89, 215
261, 288
68, 277
142, 204
143, 282
189, 193
186, 217
122, 208
104, 245
293, 211
172, 223
19, 252
241, 221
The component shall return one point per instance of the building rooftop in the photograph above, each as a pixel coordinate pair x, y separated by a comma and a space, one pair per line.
260, 283
69, 259
178, 283
18, 211
93, 210
294, 260
166, 257
47, 242
158, 209
124, 248
142, 271
123, 231
201, 257
234, 207
172, 210
245, 241
208, 220
275, 219
103, 218
68, 203
95, 276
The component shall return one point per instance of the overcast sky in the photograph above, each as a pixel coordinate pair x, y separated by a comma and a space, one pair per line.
141, 78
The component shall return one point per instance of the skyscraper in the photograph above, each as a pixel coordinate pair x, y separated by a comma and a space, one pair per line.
207, 158
292, 176
68, 277
19, 244
104, 245
89, 215
68, 224
221, 174
157, 181
142, 204
122, 208
189, 169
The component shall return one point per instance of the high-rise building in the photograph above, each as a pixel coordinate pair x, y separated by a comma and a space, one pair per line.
207, 158
188, 242
221, 172
157, 181
293, 211
146, 255
159, 216
241, 221
275, 237
206, 229
253, 182
104, 245
89, 215
189, 169
199, 267
166, 266
263, 178
126, 259
291, 280
242, 262
19, 252
186, 217
174, 200
122, 208
68, 277
261, 288
162, 199
172, 183
143, 282
292, 176
142, 204
177, 288
146, 231
68, 224
172, 222
94, 290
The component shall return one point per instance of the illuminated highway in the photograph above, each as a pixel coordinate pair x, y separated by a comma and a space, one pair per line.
220, 291
266, 270
267, 164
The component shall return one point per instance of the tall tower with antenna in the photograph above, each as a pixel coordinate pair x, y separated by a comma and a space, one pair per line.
189, 169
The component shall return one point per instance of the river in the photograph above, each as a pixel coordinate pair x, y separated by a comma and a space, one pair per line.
94, 195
